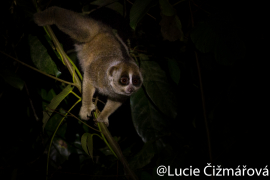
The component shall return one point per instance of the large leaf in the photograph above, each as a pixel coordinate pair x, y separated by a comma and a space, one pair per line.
158, 88
87, 143
54, 103
219, 36
47, 96
138, 10
166, 8
41, 58
147, 120
171, 26
11, 78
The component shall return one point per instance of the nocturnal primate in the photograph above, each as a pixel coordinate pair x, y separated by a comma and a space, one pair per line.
103, 56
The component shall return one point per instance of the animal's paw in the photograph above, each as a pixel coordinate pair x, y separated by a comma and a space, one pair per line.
104, 120
85, 112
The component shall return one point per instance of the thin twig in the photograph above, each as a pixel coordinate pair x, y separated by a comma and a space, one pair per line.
202, 96
204, 108
72, 115
35, 69
71, 69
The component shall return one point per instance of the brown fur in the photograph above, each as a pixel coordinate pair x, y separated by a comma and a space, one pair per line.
103, 56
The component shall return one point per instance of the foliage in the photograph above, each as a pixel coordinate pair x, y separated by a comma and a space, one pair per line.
163, 123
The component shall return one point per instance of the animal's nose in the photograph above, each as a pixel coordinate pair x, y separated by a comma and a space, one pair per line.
130, 90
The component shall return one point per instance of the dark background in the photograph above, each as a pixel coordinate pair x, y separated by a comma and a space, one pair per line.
236, 100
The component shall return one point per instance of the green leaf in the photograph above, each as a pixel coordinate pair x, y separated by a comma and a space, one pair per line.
166, 8
54, 103
87, 143
12, 79
219, 36
148, 122
47, 97
171, 26
41, 58
143, 157
138, 10
158, 88
174, 70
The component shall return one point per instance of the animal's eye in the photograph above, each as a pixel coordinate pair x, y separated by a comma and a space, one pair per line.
124, 80
135, 81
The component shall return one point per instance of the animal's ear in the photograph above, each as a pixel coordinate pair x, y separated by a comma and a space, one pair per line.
111, 70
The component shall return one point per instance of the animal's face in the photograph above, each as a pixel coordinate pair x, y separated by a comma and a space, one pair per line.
125, 78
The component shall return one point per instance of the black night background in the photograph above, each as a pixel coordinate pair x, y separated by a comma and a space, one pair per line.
203, 99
